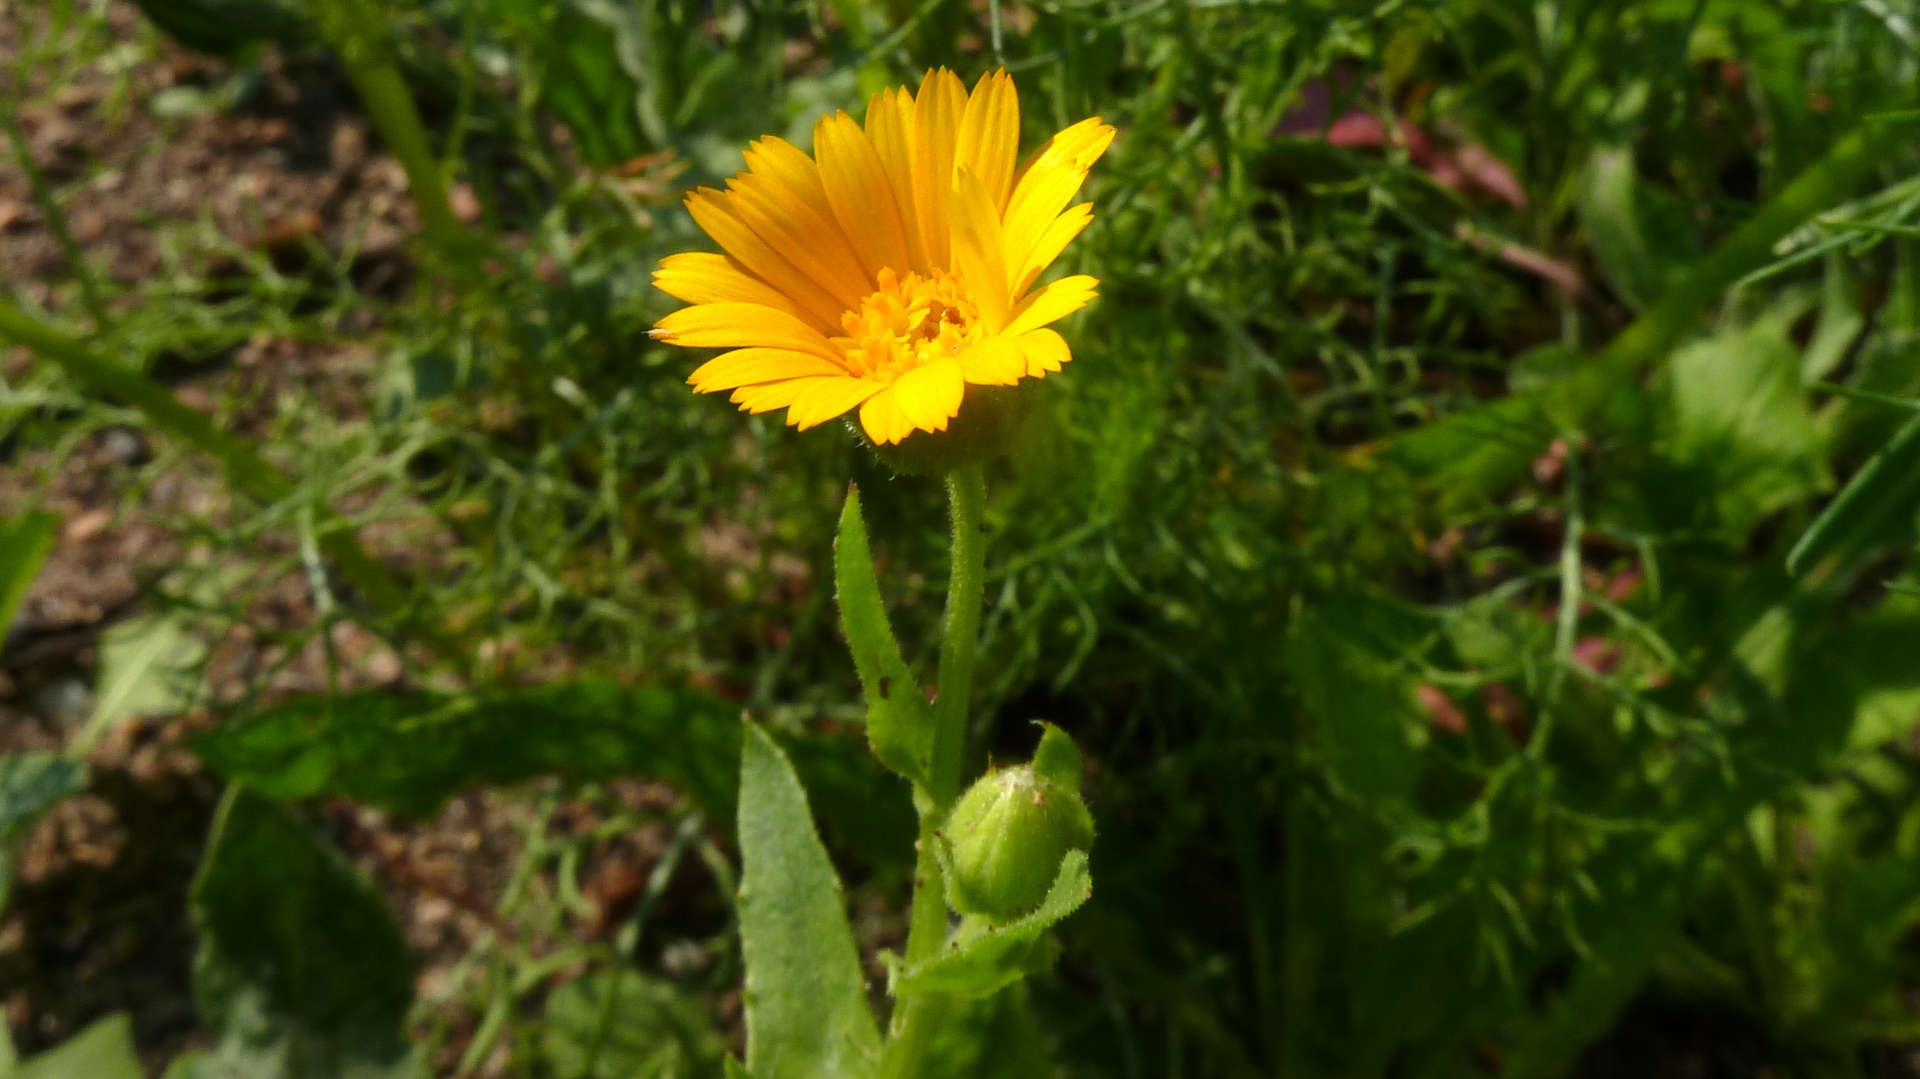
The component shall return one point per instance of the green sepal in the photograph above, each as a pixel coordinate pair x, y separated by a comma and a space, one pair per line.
985, 957
1056, 759
806, 997
736, 1070
899, 722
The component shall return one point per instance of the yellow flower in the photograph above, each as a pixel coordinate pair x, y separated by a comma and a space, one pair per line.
893, 267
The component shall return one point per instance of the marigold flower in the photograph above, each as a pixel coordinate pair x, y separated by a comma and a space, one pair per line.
893, 267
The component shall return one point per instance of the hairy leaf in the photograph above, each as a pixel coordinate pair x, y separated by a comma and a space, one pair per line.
806, 998
899, 722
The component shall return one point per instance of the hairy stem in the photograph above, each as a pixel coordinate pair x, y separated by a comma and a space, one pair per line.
919, 1016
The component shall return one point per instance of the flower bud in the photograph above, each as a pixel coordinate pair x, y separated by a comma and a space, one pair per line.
1003, 842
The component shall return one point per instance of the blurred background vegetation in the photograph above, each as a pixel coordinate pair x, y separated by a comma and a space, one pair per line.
1474, 544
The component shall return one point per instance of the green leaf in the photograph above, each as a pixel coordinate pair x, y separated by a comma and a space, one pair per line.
147, 667
300, 968
409, 752
29, 784
985, 959
621, 1024
1876, 506
735, 1069
806, 998
102, 1051
899, 722
1741, 427
24, 543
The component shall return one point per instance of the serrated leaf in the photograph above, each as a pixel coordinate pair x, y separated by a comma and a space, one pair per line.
899, 722
1876, 506
30, 783
995, 957
300, 968
24, 543
806, 997
147, 667
409, 752
104, 1050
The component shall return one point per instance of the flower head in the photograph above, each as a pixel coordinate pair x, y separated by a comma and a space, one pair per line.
891, 269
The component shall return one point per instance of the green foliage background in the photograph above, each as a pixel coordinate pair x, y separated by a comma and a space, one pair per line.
1453, 706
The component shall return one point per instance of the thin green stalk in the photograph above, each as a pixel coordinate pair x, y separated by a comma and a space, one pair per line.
57, 223
247, 471
919, 1016
967, 494
358, 32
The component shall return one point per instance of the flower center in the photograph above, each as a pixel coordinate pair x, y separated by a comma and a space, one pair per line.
908, 321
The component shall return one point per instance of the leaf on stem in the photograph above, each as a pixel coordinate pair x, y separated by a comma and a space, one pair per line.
993, 957
806, 998
899, 723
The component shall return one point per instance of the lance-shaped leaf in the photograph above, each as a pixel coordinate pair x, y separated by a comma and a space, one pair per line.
987, 958
806, 998
899, 723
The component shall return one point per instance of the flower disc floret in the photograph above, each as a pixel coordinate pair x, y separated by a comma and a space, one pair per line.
892, 268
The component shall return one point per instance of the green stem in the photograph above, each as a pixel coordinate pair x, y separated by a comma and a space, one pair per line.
247, 471
967, 493
357, 31
57, 223
919, 1016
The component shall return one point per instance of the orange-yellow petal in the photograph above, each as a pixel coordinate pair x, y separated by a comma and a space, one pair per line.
936, 126
990, 136
736, 325
977, 249
1053, 241
890, 129
883, 419
746, 366
1052, 303
996, 361
767, 396
712, 211
930, 394
783, 220
704, 277
823, 400
1050, 181
1044, 352
860, 194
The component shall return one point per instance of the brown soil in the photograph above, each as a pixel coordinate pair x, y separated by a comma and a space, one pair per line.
97, 918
